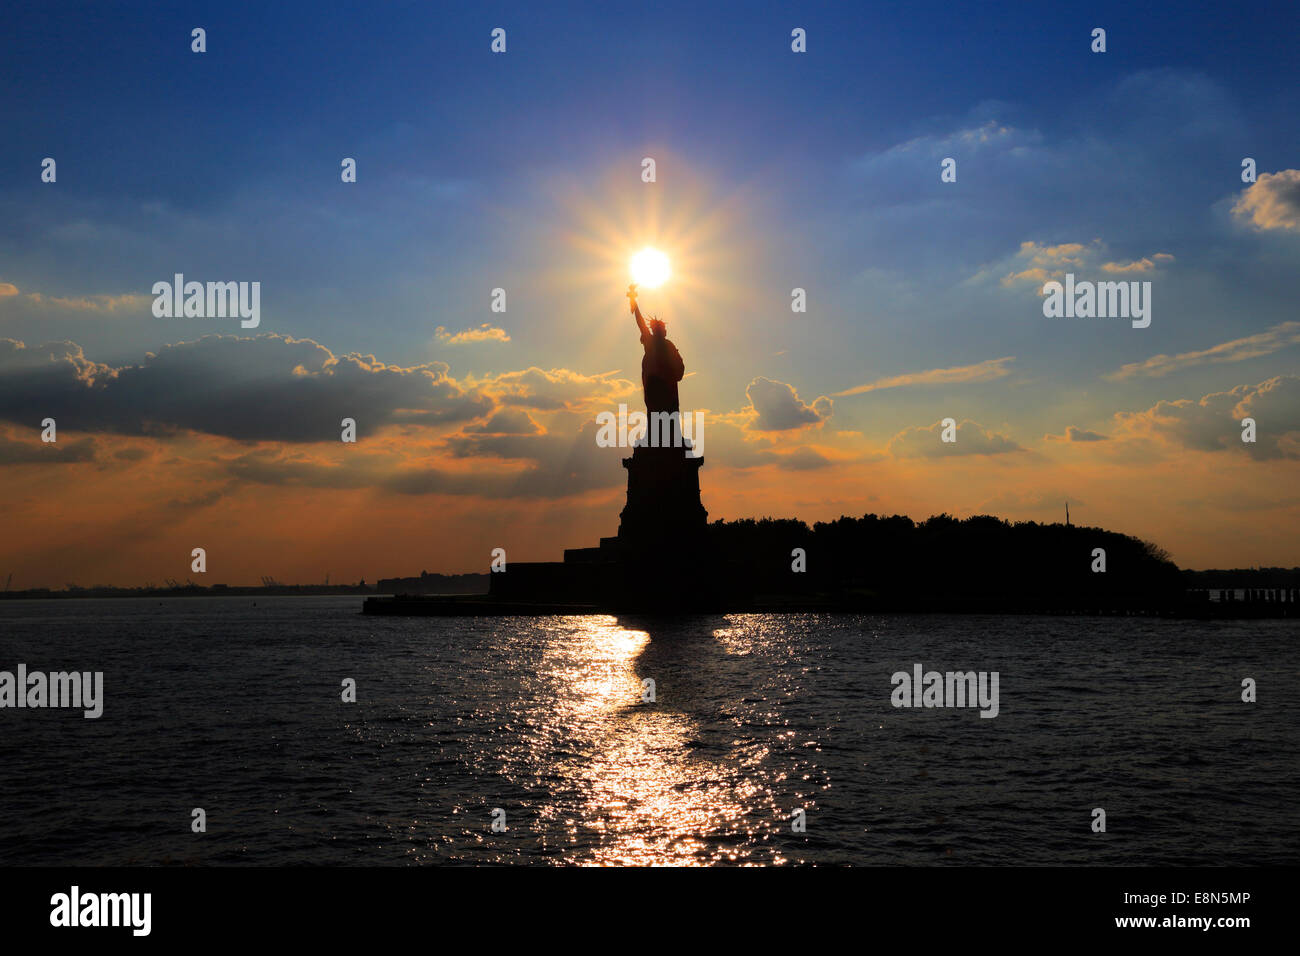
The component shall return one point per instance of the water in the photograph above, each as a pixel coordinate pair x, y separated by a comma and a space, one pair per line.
235, 707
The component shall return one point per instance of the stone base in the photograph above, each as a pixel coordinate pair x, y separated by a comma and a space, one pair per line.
657, 562
663, 514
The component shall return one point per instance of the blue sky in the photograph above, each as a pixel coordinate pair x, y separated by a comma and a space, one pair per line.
775, 170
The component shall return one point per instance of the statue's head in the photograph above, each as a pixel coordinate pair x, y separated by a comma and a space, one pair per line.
657, 328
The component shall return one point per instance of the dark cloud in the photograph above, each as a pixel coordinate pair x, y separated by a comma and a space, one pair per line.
16, 452
561, 462
1213, 422
1074, 433
275, 388
553, 465
777, 406
270, 387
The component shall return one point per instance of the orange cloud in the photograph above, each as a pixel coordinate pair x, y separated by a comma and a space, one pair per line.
484, 333
1075, 434
1213, 422
1036, 264
91, 303
1272, 201
1235, 350
1144, 264
1046, 261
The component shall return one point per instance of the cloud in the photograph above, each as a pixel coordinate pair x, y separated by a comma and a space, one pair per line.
1145, 264
1073, 433
1125, 140
1236, 350
972, 439
250, 389
731, 442
985, 371
1213, 422
507, 422
1037, 264
270, 467
776, 406
1043, 262
20, 365
484, 333
552, 465
1272, 201
488, 462
295, 391
79, 303
18, 452
557, 390
803, 458
929, 149
91, 303
563, 462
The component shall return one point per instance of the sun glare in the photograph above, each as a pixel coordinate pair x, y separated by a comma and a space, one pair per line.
649, 268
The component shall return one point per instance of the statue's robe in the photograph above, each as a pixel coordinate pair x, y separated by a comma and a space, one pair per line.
661, 369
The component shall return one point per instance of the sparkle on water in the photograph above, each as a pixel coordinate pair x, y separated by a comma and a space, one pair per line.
646, 792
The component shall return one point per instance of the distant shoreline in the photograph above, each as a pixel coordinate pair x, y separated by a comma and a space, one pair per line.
443, 584
468, 586
40, 594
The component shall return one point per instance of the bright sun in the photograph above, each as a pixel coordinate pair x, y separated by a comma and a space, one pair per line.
650, 268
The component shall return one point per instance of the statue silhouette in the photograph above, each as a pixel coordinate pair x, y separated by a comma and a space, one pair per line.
663, 523
661, 366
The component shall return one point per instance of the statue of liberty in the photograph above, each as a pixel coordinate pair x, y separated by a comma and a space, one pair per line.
663, 515
661, 366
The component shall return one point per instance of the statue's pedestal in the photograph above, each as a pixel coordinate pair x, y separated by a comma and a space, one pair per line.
663, 515
658, 562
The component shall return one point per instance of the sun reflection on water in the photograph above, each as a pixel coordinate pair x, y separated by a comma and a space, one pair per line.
646, 790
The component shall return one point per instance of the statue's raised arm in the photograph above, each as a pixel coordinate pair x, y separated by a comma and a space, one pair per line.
636, 310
